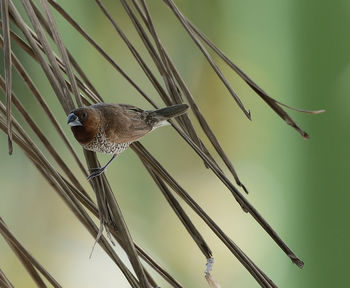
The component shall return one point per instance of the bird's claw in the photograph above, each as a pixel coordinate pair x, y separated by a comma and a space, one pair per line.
95, 172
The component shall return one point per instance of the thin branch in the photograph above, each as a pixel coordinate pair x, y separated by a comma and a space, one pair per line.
30, 84
28, 261
66, 102
7, 68
5, 282
274, 104
76, 26
57, 38
64, 192
182, 20
44, 139
240, 255
181, 214
205, 126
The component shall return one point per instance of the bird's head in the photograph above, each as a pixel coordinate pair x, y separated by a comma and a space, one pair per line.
84, 123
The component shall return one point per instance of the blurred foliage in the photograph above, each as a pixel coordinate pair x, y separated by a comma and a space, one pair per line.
298, 51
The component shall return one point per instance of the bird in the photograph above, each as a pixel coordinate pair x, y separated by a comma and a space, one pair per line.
111, 128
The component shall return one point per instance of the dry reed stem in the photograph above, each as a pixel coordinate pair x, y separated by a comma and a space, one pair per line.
61, 74
7, 67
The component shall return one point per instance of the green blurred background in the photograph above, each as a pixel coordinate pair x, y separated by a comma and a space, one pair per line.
297, 51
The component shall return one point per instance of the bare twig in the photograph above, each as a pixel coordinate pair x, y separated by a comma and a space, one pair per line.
7, 67
4, 281
63, 79
28, 261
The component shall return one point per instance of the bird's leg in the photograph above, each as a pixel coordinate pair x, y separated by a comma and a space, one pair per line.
98, 171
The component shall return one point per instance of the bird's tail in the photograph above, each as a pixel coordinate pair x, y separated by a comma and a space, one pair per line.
163, 114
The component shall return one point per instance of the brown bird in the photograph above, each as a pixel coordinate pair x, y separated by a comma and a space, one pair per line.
111, 128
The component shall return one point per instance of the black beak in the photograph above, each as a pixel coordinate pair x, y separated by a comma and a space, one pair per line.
73, 120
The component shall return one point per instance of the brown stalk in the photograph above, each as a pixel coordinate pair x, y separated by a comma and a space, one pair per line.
85, 85
118, 223
146, 257
28, 261
174, 93
158, 59
44, 139
160, 270
92, 207
274, 104
87, 91
66, 102
180, 17
4, 281
7, 68
68, 106
180, 213
242, 201
161, 172
64, 192
58, 79
116, 215
30, 84
76, 26
80, 30
246, 205
64, 54
137, 56
108, 210
205, 126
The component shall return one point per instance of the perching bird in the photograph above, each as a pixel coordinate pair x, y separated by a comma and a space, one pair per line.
111, 128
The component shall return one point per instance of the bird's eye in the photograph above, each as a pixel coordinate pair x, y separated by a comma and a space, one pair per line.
83, 115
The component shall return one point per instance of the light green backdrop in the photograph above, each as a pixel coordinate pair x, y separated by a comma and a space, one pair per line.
299, 52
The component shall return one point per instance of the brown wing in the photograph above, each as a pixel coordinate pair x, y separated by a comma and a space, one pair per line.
123, 123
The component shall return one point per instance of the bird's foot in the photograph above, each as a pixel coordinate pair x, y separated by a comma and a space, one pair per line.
96, 172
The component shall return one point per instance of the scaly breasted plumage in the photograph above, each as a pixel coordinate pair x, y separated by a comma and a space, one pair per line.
111, 128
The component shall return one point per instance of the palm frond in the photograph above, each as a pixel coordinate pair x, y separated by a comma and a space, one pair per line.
73, 88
